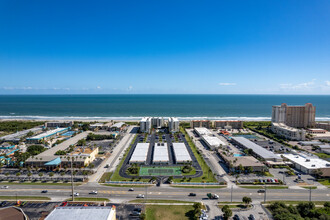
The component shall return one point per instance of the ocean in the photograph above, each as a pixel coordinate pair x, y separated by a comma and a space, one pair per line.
133, 107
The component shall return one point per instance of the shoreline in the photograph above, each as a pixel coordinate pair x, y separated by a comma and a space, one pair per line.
135, 119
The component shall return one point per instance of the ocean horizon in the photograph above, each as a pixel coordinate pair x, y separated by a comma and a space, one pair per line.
136, 106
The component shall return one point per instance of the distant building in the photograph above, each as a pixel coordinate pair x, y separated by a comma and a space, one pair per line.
287, 132
15, 137
46, 135
100, 126
83, 213
200, 123
118, 126
59, 124
173, 124
145, 125
323, 125
316, 131
294, 116
228, 124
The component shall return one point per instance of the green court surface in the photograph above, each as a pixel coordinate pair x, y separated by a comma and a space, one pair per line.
160, 171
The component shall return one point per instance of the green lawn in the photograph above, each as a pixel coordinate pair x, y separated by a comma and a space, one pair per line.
262, 187
207, 187
24, 198
105, 177
173, 212
207, 173
88, 199
39, 183
322, 155
325, 182
308, 187
232, 205
157, 201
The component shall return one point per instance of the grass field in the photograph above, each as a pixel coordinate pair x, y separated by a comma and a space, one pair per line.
24, 198
160, 171
173, 212
322, 155
127, 185
325, 182
262, 187
308, 187
88, 199
105, 177
295, 202
207, 173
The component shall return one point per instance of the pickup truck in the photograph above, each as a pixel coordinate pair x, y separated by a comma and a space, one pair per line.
212, 196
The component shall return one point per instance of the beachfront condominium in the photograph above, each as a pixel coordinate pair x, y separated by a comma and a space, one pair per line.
294, 116
147, 123
173, 124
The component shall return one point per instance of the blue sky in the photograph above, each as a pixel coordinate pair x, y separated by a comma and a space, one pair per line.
164, 47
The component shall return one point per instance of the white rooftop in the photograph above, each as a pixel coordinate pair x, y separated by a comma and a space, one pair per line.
118, 125
48, 133
213, 141
307, 162
160, 153
284, 126
82, 213
140, 153
203, 131
181, 153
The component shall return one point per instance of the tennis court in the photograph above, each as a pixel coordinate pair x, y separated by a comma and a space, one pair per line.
160, 171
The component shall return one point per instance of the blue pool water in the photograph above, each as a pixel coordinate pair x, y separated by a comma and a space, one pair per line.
69, 133
238, 155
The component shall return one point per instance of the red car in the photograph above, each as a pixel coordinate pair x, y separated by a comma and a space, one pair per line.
64, 203
276, 181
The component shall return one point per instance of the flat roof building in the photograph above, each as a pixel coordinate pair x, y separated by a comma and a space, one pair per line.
228, 124
59, 124
46, 135
140, 153
181, 153
200, 123
287, 132
309, 165
83, 213
202, 131
257, 150
160, 153
15, 137
212, 142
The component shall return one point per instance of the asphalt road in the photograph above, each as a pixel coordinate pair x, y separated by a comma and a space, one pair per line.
121, 194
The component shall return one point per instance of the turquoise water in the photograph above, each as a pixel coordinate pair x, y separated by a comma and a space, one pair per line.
247, 136
244, 107
238, 155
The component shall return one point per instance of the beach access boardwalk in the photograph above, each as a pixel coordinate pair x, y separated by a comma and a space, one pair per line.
65, 144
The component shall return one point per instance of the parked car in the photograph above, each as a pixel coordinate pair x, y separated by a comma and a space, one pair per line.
276, 181
251, 217
64, 203
75, 194
4, 203
44, 191
140, 196
236, 217
192, 194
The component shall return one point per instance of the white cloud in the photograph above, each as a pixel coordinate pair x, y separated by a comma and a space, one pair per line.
227, 84
327, 83
299, 86
98, 87
130, 88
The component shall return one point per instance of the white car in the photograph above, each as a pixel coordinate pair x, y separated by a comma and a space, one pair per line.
76, 194
140, 196
93, 192
5, 187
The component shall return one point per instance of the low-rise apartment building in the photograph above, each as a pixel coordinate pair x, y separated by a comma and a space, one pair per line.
287, 132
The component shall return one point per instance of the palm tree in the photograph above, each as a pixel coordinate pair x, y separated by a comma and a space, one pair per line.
40, 174
246, 200
51, 174
29, 174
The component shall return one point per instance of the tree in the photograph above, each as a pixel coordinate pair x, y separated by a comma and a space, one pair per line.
18, 174
197, 209
35, 149
40, 174
246, 200
143, 216
227, 213
51, 174
29, 174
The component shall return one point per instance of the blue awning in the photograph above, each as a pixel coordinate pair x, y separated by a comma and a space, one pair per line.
54, 162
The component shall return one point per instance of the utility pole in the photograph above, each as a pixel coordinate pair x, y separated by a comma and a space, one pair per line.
310, 194
265, 194
72, 180
231, 194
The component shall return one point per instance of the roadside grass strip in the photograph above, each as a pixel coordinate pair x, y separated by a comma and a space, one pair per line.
158, 201
207, 187
24, 198
39, 183
262, 187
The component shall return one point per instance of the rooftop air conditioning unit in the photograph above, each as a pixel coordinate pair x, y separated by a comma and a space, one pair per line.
313, 165
308, 160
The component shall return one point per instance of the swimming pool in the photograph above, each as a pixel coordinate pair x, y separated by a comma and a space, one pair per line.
68, 133
238, 155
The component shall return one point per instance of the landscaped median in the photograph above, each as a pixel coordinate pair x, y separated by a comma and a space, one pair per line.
202, 186
39, 183
158, 201
263, 186
28, 198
